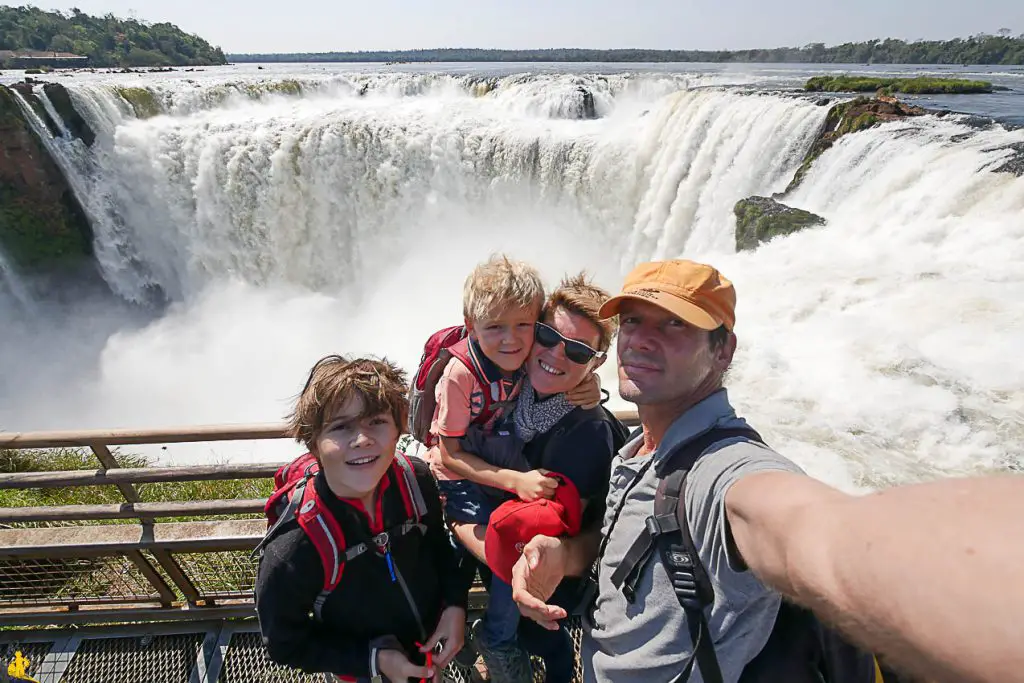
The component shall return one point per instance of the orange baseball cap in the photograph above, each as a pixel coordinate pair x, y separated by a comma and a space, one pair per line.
695, 292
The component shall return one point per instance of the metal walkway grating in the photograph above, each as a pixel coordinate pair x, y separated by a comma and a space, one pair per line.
198, 652
135, 659
34, 652
247, 662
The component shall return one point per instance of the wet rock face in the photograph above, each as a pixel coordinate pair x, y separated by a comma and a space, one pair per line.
851, 117
587, 110
759, 219
61, 101
1015, 164
42, 226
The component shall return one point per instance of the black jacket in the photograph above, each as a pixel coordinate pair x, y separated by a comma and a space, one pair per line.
367, 606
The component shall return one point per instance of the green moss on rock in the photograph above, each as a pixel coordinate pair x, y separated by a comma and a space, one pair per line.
849, 117
144, 103
35, 235
759, 219
288, 86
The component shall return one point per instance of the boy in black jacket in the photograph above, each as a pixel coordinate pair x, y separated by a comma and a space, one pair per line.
399, 593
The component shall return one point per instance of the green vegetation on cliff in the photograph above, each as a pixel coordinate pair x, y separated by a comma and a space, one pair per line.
107, 41
920, 85
979, 49
41, 223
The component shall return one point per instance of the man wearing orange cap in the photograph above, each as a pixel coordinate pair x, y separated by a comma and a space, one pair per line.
675, 344
761, 529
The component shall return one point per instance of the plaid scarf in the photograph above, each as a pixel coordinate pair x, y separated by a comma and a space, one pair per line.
535, 417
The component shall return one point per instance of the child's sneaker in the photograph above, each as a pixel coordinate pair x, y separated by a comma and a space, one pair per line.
506, 663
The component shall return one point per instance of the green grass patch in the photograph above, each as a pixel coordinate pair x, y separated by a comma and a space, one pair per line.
63, 459
920, 85
231, 572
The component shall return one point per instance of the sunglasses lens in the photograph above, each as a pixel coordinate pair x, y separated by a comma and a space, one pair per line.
575, 351
547, 336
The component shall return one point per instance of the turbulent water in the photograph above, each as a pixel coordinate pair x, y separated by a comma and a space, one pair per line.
287, 213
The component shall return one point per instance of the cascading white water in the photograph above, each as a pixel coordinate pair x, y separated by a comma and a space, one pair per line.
12, 290
342, 214
269, 192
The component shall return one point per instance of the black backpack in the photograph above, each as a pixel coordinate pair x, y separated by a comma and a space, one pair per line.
800, 649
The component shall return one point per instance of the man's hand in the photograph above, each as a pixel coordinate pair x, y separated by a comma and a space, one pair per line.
586, 394
530, 486
397, 667
535, 577
451, 633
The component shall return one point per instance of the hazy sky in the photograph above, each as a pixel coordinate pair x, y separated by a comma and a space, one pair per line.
325, 25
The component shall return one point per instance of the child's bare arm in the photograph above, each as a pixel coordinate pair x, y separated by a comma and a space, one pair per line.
527, 485
586, 394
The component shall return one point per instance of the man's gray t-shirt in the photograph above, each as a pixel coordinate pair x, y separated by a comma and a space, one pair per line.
647, 641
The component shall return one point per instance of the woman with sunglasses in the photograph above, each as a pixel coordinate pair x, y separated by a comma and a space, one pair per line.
571, 342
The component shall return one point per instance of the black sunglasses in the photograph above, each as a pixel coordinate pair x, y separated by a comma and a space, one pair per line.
576, 351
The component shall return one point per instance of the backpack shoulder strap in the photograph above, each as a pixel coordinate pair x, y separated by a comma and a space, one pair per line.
412, 494
671, 471
327, 537
668, 530
620, 433
491, 390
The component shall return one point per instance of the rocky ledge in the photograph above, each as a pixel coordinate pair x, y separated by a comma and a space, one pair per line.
42, 225
850, 117
759, 219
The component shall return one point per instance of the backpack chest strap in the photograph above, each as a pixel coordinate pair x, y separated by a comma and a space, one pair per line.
383, 539
662, 532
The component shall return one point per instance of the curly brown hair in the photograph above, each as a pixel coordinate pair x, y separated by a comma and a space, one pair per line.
333, 379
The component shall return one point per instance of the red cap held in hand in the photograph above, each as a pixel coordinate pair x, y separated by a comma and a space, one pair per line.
516, 522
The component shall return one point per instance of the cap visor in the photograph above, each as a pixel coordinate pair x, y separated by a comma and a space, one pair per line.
681, 308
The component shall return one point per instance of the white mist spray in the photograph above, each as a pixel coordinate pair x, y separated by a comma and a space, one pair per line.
874, 350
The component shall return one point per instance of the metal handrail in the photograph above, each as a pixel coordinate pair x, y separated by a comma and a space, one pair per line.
39, 566
156, 510
137, 475
127, 437
185, 434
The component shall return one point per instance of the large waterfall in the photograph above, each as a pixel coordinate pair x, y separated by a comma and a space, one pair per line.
287, 216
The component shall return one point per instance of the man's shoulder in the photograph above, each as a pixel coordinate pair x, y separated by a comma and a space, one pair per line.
722, 465
739, 455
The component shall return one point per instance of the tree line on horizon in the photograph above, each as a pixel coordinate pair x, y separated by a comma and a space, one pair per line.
1000, 49
107, 41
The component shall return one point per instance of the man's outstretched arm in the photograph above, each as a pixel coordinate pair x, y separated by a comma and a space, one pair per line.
927, 575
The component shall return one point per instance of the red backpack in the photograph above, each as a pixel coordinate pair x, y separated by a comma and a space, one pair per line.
440, 348
295, 497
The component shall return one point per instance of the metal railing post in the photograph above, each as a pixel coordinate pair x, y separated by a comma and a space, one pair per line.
167, 596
